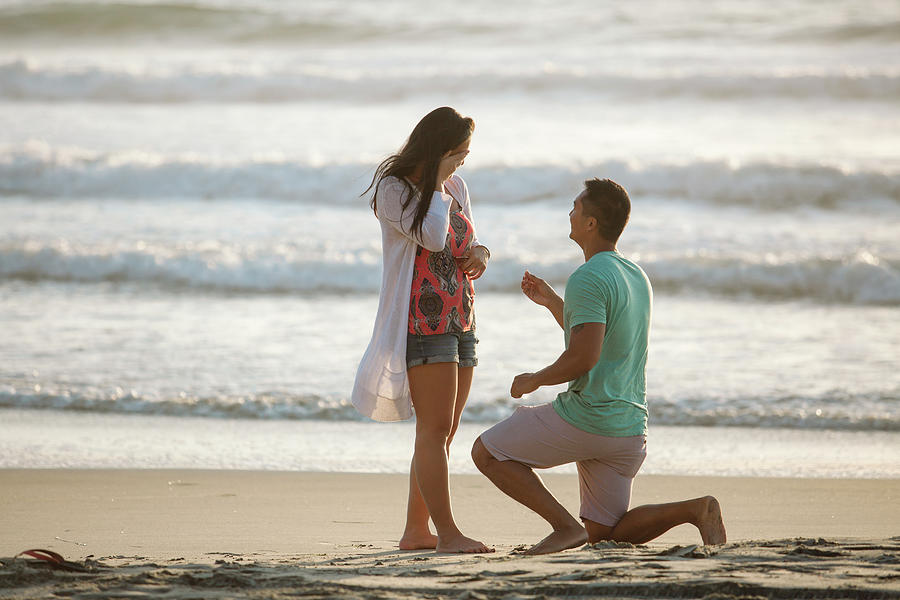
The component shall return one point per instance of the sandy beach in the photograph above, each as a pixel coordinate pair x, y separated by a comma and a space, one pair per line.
205, 534
190, 273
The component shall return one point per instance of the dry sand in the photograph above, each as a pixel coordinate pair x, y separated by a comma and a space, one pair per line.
221, 534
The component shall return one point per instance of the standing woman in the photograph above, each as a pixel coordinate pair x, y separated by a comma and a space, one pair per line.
422, 353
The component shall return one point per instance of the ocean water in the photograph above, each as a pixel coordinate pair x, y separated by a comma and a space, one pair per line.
188, 275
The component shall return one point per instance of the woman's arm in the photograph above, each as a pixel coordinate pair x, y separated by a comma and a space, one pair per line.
392, 193
436, 223
475, 261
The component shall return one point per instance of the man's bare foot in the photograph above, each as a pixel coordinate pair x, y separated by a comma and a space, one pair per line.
560, 540
709, 522
418, 541
461, 544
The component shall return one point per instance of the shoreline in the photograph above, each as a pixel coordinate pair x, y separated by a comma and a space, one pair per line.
48, 439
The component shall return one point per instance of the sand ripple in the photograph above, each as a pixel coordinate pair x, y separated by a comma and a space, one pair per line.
791, 568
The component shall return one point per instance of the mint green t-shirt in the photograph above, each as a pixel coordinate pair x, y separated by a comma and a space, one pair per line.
610, 399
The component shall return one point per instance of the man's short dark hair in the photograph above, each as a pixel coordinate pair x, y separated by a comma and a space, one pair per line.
608, 202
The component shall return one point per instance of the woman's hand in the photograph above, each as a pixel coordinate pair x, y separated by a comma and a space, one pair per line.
448, 166
523, 384
474, 261
537, 290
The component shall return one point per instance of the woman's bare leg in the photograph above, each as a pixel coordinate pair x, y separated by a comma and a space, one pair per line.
463, 385
417, 535
434, 392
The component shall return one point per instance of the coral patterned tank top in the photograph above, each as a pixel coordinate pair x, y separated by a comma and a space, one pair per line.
442, 294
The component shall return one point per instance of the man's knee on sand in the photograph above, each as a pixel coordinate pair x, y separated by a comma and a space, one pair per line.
597, 532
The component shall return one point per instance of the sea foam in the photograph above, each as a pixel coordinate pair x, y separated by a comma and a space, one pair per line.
859, 278
31, 80
42, 171
831, 410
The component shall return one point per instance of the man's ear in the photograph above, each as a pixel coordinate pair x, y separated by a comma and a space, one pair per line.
592, 223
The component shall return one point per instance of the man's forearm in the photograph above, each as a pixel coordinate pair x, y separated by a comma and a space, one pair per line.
582, 353
556, 309
567, 367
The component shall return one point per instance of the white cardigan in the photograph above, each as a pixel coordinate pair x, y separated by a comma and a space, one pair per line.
381, 389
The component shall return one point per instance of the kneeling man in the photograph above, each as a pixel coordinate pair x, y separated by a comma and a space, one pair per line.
600, 421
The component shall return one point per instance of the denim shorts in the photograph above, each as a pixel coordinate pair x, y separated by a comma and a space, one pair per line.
441, 347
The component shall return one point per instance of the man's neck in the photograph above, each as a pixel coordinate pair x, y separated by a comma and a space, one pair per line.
595, 246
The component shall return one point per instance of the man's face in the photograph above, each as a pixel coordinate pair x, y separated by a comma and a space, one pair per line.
578, 221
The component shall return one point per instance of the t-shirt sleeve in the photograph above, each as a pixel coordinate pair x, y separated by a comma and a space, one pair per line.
586, 299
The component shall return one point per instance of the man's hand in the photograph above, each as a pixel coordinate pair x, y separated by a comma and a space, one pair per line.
540, 292
537, 290
523, 384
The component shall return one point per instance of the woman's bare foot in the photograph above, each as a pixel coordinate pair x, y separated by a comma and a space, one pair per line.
460, 544
562, 539
709, 522
418, 541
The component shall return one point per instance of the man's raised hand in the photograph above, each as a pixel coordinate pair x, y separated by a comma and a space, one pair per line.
537, 290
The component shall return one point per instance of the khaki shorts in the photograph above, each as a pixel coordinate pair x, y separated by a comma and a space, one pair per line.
538, 437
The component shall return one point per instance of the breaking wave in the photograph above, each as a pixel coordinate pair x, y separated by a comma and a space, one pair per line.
860, 278
28, 80
832, 410
37, 170
244, 21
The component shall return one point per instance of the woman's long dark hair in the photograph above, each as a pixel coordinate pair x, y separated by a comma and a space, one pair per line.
440, 131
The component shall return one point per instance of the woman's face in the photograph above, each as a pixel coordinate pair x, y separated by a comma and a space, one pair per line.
462, 148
